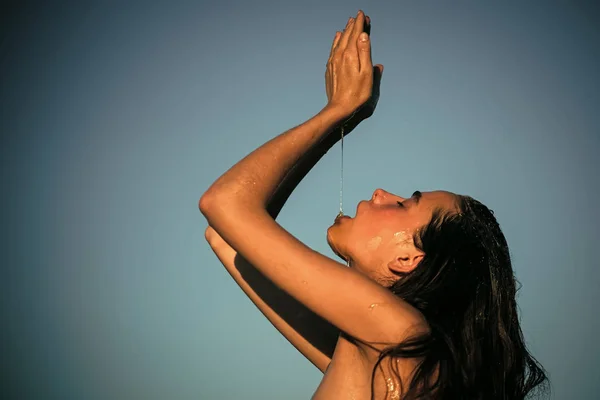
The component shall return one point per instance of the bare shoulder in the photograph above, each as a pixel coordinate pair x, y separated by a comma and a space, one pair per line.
403, 322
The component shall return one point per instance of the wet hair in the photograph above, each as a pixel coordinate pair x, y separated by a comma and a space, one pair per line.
465, 287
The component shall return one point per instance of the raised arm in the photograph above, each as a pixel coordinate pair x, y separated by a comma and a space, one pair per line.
314, 337
236, 206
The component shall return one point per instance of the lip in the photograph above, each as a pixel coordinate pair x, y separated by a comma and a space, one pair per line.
341, 217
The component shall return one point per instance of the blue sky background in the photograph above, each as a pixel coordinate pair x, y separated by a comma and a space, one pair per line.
116, 118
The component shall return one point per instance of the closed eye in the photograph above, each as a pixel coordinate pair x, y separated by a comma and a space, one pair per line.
400, 204
417, 196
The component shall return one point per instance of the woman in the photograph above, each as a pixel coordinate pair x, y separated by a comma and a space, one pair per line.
427, 308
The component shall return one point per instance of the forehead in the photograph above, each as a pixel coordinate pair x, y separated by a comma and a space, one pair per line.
439, 198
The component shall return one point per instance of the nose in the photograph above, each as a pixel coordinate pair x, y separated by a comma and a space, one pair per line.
378, 194
381, 196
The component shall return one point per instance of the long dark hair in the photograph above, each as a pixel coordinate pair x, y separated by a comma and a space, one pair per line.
465, 287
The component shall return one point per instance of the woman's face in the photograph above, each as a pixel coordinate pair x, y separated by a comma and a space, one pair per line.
378, 241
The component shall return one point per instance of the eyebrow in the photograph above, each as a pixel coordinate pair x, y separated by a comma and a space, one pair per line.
417, 195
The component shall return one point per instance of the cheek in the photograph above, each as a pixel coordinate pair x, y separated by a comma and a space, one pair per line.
375, 231
361, 239
374, 243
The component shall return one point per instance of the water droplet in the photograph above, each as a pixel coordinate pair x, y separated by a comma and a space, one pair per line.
394, 393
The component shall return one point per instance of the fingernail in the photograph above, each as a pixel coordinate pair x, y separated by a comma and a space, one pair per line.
364, 37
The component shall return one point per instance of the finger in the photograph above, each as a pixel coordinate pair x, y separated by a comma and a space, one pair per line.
367, 30
327, 91
377, 73
346, 35
336, 40
364, 54
358, 27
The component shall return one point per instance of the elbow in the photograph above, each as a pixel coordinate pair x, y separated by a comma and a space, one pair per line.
208, 206
206, 203
202, 203
211, 208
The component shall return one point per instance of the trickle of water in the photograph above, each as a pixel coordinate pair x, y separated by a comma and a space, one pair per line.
342, 176
342, 184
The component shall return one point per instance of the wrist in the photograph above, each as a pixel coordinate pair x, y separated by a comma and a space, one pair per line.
335, 114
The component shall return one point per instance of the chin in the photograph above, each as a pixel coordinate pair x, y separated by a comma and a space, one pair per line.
332, 239
330, 235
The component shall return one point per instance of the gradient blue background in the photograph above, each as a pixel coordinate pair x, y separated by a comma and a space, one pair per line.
116, 118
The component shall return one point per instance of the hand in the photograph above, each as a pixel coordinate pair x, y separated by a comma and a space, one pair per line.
352, 83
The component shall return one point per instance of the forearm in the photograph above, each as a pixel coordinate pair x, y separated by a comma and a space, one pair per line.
254, 181
301, 169
310, 334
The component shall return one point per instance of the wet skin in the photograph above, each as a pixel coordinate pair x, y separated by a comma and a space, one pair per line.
378, 241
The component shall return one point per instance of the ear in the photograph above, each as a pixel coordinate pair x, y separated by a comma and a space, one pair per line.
406, 261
